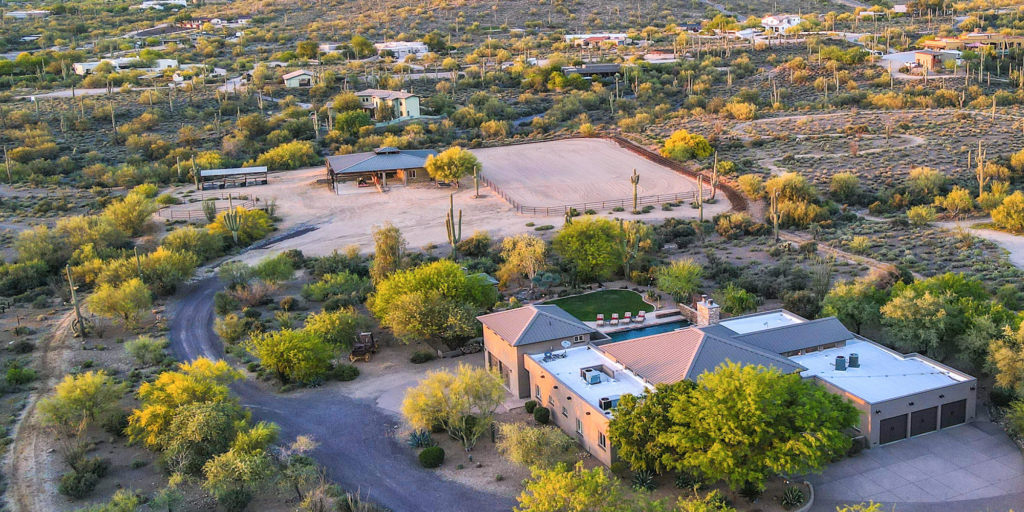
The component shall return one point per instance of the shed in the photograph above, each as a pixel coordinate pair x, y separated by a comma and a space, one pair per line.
300, 78
241, 177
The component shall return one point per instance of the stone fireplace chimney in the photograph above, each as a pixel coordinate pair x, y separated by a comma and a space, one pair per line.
707, 312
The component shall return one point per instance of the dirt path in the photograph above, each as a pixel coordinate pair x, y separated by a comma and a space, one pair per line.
912, 141
1013, 244
31, 467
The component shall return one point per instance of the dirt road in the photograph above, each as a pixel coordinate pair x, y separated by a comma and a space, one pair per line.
356, 442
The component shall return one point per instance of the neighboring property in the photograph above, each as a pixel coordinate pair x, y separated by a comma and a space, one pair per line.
385, 105
161, 4
21, 15
402, 49
589, 40
577, 372
240, 177
589, 70
779, 23
928, 59
899, 8
300, 78
331, 47
378, 166
84, 68
974, 41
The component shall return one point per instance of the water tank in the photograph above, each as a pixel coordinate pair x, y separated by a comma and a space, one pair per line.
840, 364
854, 361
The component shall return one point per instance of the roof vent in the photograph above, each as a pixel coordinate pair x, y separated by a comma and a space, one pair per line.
840, 364
387, 150
854, 361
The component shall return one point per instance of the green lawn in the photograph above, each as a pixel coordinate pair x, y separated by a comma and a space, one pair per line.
586, 307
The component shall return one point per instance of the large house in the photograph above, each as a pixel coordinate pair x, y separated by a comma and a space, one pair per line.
402, 49
84, 68
597, 39
378, 167
387, 105
974, 41
579, 373
779, 23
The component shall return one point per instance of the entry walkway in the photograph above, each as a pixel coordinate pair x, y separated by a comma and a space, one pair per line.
973, 461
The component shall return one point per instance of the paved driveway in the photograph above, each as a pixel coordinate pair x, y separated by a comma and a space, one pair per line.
974, 464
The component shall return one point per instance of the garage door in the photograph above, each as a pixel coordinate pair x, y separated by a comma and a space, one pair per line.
954, 413
922, 422
893, 429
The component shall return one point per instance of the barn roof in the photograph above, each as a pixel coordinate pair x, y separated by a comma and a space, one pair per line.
383, 159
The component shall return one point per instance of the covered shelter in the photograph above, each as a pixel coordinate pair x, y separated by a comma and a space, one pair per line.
240, 177
377, 167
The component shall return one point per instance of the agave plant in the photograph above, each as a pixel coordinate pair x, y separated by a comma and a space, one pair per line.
643, 480
751, 492
792, 498
210, 209
421, 439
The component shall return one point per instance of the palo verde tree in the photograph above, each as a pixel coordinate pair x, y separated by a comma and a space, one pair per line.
451, 165
590, 247
389, 248
463, 402
743, 424
640, 422
524, 255
683, 145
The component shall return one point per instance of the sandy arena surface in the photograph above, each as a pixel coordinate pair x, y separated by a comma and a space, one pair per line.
574, 171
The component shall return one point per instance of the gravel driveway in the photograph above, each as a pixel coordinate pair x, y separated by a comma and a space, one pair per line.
356, 445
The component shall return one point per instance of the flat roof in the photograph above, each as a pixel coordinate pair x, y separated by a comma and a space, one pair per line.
760, 321
209, 173
567, 371
883, 374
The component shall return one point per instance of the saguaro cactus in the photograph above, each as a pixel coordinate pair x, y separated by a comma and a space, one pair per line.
454, 231
773, 213
635, 180
714, 177
233, 221
700, 197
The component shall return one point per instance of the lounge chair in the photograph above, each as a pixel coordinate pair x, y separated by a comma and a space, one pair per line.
640, 317
628, 318
600, 320
615, 319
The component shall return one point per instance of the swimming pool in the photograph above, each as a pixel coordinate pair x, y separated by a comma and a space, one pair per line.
647, 331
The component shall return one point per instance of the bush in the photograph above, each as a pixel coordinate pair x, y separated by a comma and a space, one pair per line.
432, 457
147, 190
275, 270
1001, 397
205, 245
531, 406
339, 327
253, 225
115, 423
421, 439
345, 372
290, 155
167, 199
422, 356
288, 303
22, 347
231, 328
77, 485
542, 415
350, 288
146, 350
643, 480
224, 303
792, 498
18, 376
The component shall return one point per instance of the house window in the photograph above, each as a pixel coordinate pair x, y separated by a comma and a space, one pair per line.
412, 173
565, 412
601, 440
551, 400
536, 389
579, 426
579, 338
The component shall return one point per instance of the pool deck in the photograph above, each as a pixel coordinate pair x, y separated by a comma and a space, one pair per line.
666, 317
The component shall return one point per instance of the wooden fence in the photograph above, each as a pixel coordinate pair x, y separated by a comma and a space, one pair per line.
172, 214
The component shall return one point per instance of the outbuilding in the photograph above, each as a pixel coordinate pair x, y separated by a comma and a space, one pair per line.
378, 168
300, 78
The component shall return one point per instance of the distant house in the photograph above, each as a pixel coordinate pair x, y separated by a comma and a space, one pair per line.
21, 15
974, 41
402, 49
402, 104
161, 4
597, 39
84, 68
378, 167
331, 47
589, 70
300, 78
779, 23
899, 8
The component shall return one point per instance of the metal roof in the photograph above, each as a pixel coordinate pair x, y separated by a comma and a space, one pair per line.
686, 354
378, 162
591, 69
209, 173
385, 94
294, 74
789, 338
535, 323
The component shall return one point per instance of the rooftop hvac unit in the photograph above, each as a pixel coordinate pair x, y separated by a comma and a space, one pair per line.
854, 361
605, 404
840, 364
592, 376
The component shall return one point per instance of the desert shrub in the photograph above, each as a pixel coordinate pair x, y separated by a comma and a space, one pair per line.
345, 372
146, 350
1001, 397
792, 498
751, 185
542, 415
18, 375
253, 226
19, 278
1014, 418
167, 200
224, 303
256, 293
130, 214
294, 356
1010, 215
475, 246
77, 485
921, 215
422, 356
205, 245
544, 446
290, 155
235, 274
432, 457
147, 190
338, 327
350, 288
683, 146
275, 270
115, 423
231, 328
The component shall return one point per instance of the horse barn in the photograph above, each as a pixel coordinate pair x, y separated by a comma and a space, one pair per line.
240, 177
378, 168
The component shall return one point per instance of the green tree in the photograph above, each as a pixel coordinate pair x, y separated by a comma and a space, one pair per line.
430, 315
737, 301
844, 186
921, 215
1006, 355
791, 187
389, 249
463, 403
451, 164
289, 156
245, 468
125, 301
146, 350
855, 303
746, 423
81, 399
524, 255
345, 285
590, 246
926, 181
957, 201
349, 122
131, 214
189, 239
199, 432
637, 429
292, 355
683, 145
543, 446
680, 279
561, 489
307, 49
338, 327
277, 269
362, 46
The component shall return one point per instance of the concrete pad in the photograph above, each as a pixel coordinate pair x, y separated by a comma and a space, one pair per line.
1013, 462
990, 471
989, 428
905, 450
930, 465
1015, 484
881, 456
886, 478
883, 497
961, 481
862, 485
994, 445
985, 492
963, 433
939, 490
911, 493
961, 455
908, 472
841, 469
835, 491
